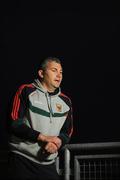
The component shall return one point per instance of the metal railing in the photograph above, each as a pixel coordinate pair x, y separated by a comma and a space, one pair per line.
86, 161
91, 161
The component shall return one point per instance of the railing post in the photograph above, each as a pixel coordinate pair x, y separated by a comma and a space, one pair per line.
57, 165
76, 169
67, 165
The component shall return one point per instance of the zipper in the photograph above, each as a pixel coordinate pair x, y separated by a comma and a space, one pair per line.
49, 106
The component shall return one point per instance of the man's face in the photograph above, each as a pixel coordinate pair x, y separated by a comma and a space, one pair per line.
52, 76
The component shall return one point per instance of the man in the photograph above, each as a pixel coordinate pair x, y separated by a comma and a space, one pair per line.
41, 124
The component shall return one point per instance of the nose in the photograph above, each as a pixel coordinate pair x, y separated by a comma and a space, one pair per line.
59, 74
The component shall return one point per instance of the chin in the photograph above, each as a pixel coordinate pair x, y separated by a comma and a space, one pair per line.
56, 86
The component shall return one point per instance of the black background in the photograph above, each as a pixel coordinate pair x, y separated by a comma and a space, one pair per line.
87, 43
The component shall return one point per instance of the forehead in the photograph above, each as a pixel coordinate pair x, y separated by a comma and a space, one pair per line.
53, 64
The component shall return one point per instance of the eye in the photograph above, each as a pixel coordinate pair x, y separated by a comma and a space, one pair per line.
54, 70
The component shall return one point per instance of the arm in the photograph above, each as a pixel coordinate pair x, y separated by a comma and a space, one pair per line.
67, 129
19, 108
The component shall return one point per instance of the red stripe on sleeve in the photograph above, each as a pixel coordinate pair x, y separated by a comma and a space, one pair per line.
16, 102
15, 108
71, 131
64, 95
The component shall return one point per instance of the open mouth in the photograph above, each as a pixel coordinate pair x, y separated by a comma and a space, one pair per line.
57, 81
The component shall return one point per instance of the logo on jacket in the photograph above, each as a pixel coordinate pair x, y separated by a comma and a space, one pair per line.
59, 107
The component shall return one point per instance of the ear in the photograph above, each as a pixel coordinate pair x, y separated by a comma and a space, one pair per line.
40, 73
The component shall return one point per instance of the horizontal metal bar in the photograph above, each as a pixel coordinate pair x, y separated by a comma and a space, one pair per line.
87, 146
96, 156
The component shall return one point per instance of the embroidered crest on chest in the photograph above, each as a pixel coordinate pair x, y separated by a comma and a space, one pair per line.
58, 107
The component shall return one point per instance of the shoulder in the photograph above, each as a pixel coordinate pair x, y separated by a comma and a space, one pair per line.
65, 98
25, 88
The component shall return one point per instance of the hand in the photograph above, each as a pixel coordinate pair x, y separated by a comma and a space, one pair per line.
50, 148
56, 140
53, 139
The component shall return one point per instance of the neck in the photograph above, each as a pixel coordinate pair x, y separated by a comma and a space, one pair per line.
48, 88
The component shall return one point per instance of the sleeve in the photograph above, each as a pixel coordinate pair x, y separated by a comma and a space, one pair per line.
19, 108
67, 129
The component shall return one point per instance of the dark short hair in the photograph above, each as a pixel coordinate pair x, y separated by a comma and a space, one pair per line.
44, 62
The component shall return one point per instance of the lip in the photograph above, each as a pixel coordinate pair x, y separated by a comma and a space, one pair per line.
57, 80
